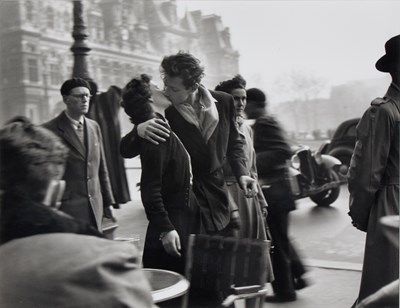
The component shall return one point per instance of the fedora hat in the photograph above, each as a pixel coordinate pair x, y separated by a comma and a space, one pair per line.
391, 59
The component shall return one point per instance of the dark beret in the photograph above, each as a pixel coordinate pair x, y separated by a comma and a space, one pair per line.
72, 83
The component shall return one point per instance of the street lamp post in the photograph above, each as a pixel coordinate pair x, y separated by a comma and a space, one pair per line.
80, 49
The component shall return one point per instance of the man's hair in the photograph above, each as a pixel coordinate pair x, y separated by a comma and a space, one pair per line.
72, 83
256, 97
136, 97
30, 157
183, 65
228, 86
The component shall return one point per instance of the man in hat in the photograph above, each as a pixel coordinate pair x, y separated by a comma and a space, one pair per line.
88, 191
374, 177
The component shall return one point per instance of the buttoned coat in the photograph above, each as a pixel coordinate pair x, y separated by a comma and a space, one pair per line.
87, 183
373, 180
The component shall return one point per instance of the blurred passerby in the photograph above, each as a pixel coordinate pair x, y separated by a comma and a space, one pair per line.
272, 151
88, 194
252, 211
373, 177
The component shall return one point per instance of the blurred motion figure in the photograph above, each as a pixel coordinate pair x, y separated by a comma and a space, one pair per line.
272, 151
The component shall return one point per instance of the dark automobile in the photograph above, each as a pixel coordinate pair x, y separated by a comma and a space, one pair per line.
342, 143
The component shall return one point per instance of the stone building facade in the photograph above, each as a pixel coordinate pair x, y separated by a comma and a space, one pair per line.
126, 37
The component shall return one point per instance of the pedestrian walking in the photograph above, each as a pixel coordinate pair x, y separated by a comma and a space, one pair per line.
272, 152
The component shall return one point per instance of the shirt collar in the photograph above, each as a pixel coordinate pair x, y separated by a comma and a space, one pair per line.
74, 122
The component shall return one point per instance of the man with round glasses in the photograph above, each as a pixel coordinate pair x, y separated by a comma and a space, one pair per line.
88, 191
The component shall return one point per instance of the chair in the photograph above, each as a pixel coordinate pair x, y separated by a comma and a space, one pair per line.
237, 269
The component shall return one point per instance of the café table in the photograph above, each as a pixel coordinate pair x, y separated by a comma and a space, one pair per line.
166, 284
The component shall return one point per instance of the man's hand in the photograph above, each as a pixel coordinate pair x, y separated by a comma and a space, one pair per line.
154, 130
249, 185
172, 243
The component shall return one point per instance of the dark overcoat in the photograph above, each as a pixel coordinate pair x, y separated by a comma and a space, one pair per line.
88, 186
168, 200
373, 180
225, 144
104, 109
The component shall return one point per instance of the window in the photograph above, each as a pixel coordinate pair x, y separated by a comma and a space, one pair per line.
67, 22
29, 11
55, 78
50, 18
32, 112
33, 70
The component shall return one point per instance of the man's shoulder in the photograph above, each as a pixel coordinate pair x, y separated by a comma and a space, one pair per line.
52, 124
266, 119
382, 107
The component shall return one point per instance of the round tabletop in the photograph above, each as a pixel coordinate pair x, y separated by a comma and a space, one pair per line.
165, 284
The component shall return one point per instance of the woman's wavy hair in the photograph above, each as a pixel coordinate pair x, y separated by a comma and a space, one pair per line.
183, 65
228, 86
136, 96
30, 157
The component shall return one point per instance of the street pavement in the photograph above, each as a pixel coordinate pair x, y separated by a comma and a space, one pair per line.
331, 286
331, 248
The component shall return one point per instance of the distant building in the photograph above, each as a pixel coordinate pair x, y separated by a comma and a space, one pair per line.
346, 101
126, 37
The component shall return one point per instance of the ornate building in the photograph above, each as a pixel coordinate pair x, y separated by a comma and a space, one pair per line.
126, 37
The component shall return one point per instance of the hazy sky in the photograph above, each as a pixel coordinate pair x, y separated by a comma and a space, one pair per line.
335, 41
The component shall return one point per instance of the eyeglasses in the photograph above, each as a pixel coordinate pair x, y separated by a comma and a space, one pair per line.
81, 96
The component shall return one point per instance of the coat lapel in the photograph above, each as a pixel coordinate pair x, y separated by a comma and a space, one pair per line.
70, 135
90, 137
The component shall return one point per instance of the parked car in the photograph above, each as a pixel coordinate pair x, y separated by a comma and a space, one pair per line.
314, 175
342, 143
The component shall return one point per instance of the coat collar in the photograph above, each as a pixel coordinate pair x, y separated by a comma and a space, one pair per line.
393, 93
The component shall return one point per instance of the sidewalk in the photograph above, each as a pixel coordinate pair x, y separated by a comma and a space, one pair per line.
333, 284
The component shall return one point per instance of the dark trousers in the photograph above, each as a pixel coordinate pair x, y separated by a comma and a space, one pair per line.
286, 262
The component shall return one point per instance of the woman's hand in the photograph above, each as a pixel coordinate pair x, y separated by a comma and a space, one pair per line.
172, 243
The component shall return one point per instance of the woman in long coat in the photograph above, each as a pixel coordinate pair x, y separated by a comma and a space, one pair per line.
252, 211
166, 183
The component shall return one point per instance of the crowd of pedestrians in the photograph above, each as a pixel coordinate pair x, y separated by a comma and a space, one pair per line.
213, 162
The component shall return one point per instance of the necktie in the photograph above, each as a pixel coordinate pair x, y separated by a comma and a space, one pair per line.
80, 133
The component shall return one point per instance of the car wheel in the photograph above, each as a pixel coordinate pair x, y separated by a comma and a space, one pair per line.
327, 197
